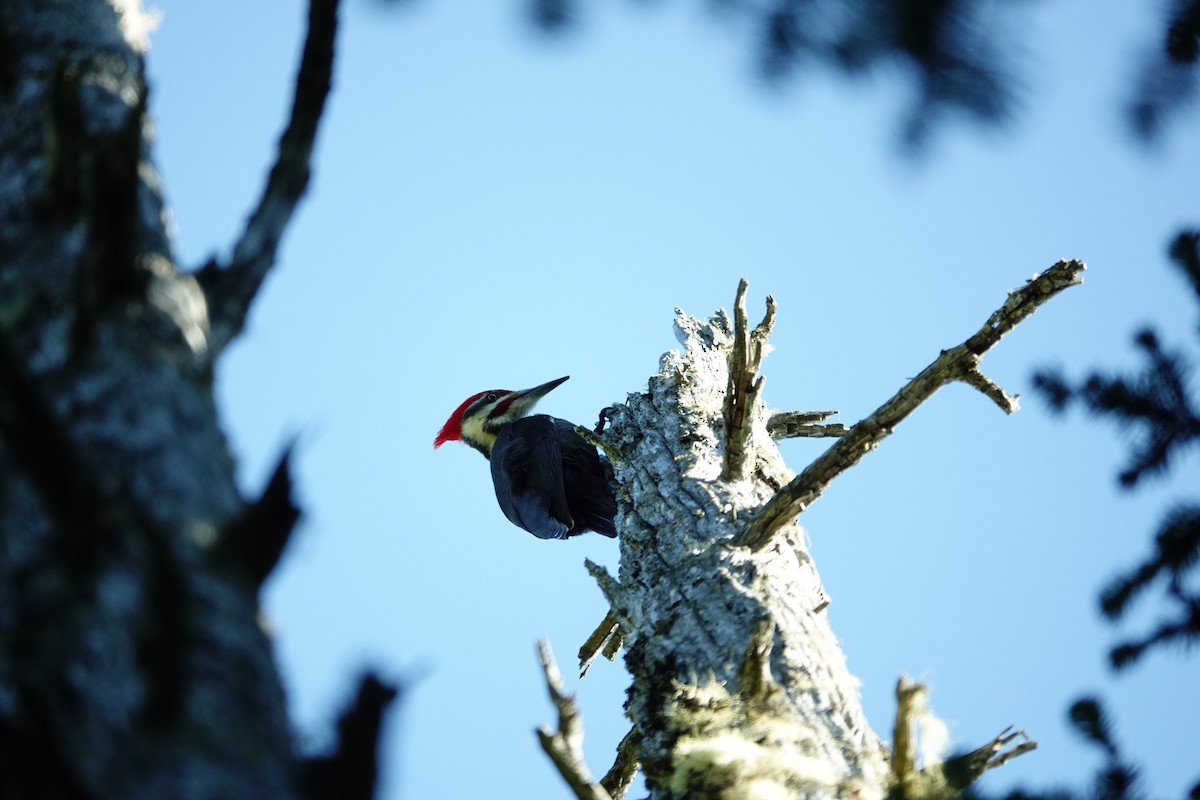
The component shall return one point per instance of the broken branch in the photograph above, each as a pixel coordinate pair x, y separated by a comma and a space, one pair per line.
565, 746
744, 385
620, 776
911, 779
795, 424
959, 363
964, 770
608, 628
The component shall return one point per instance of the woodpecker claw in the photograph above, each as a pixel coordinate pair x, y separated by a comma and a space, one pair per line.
606, 415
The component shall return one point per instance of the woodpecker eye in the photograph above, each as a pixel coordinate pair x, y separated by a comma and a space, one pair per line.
491, 396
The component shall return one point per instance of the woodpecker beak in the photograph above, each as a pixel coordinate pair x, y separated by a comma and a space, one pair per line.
521, 402
538, 392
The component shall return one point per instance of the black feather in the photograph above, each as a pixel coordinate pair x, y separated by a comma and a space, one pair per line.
551, 482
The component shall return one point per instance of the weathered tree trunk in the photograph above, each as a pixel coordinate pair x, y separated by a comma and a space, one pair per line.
740, 689
132, 663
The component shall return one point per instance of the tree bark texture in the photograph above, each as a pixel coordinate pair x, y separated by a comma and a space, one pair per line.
740, 688
132, 662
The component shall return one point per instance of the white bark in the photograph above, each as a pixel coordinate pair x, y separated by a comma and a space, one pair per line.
740, 689
717, 717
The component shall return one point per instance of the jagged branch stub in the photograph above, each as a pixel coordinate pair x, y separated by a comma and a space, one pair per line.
620, 776
745, 384
807, 424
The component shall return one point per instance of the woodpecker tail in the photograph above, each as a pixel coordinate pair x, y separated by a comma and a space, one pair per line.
592, 504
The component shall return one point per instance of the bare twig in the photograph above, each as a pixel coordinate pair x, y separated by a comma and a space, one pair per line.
830, 431
745, 384
794, 424
232, 290
911, 779
959, 363
964, 770
565, 746
1008, 403
783, 418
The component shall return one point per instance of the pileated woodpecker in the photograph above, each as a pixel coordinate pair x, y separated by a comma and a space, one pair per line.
548, 480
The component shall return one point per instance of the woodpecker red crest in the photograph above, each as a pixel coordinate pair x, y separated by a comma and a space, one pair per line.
452, 430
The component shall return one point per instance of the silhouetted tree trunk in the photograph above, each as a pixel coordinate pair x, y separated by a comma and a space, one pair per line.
132, 663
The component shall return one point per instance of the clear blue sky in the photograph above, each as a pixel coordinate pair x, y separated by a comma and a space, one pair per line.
490, 209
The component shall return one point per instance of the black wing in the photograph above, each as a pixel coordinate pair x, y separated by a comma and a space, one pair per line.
527, 473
